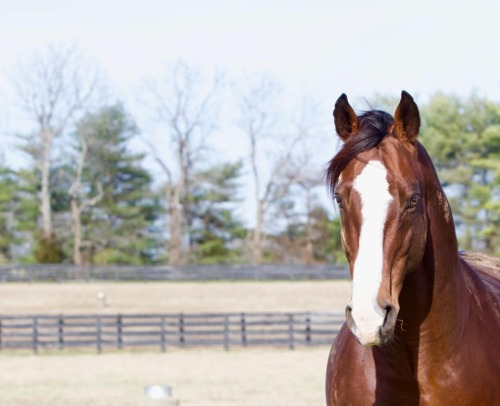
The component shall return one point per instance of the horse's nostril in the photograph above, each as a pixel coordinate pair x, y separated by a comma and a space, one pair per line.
348, 316
387, 311
389, 318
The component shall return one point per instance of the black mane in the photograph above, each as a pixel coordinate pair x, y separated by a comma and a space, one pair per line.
373, 127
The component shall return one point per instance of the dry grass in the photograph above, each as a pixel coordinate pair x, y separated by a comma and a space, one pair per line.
187, 297
266, 376
197, 377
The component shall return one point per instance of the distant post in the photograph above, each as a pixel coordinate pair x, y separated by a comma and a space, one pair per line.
291, 343
119, 331
98, 335
308, 329
226, 332
35, 334
243, 330
61, 331
162, 334
181, 330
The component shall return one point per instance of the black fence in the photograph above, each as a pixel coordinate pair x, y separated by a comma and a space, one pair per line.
164, 331
66, 273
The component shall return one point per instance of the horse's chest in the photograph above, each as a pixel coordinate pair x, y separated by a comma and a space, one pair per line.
369, 376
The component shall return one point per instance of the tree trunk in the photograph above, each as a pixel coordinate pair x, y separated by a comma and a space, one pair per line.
257, 234
77, 232
45, 166
309, 259
176, 225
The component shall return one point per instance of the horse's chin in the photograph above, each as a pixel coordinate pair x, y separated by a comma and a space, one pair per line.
373, 340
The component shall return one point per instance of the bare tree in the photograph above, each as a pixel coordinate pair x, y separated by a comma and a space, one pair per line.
271, 181
304, 177
186, 109
53, 87
304, 173
80, 202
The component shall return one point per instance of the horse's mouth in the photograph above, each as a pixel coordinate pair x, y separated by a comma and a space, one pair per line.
373, 340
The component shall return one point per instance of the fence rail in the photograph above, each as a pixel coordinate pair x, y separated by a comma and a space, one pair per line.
164, 331
64, 273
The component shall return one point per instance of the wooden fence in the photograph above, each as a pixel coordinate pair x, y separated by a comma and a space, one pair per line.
164, 331
64, 273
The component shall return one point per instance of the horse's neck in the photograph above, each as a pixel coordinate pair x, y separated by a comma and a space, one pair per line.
433, 294
441, 266
442, 249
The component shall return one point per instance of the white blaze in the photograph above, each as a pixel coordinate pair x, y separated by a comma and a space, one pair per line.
372, 186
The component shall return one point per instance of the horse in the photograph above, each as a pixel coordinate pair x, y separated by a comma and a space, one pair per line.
423, 325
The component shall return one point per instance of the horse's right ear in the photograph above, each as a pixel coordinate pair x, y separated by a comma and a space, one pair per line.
346, 120
407, 119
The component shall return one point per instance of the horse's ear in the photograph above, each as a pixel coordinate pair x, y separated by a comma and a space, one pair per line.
346, 120
407, 119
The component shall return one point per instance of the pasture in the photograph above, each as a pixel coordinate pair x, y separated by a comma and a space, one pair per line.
200, 376
172, 297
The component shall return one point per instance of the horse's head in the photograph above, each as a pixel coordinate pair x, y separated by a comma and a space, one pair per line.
379, 188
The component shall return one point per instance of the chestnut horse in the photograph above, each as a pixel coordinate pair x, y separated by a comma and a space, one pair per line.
423, 326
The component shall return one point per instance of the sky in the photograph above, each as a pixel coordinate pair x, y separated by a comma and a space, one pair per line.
316, 48
323, 47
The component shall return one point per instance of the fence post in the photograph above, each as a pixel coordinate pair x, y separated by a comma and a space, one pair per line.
35, 334
162, 334
182, 339
243, 330
61, 332
98, 335
226, 332
308, 328
291, 343
119, 331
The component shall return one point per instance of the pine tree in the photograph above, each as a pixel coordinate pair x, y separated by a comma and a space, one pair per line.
462, 137
120, 228
217, 235
8, 200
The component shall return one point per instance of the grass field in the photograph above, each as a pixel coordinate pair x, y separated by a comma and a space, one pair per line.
168, 297
198, 377
254, 376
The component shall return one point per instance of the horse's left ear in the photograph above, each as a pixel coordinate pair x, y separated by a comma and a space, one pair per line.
407, 119
346, 120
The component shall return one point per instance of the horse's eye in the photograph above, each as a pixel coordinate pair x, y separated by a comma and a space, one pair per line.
339, 201
413, 201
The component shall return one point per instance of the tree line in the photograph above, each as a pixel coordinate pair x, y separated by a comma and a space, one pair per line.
86, 196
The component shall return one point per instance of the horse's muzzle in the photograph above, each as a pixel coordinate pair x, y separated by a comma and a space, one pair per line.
374, 334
